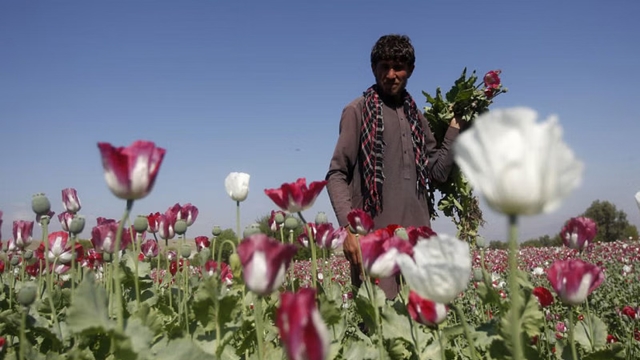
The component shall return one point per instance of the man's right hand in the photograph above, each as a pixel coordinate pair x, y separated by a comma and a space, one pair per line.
350, 247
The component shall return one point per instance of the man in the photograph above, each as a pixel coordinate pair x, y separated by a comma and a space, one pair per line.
386, 153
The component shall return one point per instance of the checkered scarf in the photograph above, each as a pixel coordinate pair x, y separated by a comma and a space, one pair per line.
372, 149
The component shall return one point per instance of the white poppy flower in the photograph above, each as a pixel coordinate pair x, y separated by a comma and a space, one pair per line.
237, 185
440, 268
521, 167
538, 271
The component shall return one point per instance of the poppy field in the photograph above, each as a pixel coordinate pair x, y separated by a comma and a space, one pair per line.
123, 295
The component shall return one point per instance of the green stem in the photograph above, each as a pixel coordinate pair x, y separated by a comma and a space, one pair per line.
258, 317
327, 280
12, 280
483, 268
467, 332
589, 326
546, 332
583, 255
371, 292
156, 284
136, 281
443, 355
411, 326
514, 289
180, 291
629, 343
216, 304
116, 267
180, 284
212, 247
185, 298
376, 312
238, 235
291, 268
44, 221
40, 278
312, 245
574, 353
216, 301
73, 262
365, 277
23, 334
233, 250
108, 279
169, 284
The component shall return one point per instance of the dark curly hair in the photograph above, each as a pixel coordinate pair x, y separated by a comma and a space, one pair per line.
395, 48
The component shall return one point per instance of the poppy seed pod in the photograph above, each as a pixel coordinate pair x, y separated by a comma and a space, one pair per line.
477, 275
291, 223
251, 230
27, 295
401, 233
321, 218
279, 218
180, 227
236, 264
141, 224
40, 204
185, 251
15, 261
77, 225
205, 254
107, 257
216, 231
28, 255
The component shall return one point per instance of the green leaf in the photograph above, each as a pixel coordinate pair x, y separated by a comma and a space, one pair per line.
360, 350
432, 352
329, 311
457, 204
499, 350
599, 331
616, 352
529, 320
455, 330
179, 349
395, 325
139, 335
10, 321
365, 307
488, 294
88, 310
150, 318
486, 333
532, 319
397, 349
563, 350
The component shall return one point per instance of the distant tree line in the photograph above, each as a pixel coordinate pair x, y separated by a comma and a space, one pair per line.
612, 225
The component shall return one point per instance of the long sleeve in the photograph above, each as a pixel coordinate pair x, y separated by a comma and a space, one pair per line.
343, 164
440, 159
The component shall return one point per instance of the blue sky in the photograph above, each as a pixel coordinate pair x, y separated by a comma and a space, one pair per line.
259, 88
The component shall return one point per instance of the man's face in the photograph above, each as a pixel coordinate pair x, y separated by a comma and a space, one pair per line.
391, 76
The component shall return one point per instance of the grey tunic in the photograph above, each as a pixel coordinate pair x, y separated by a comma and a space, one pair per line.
401, 203
400, 200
